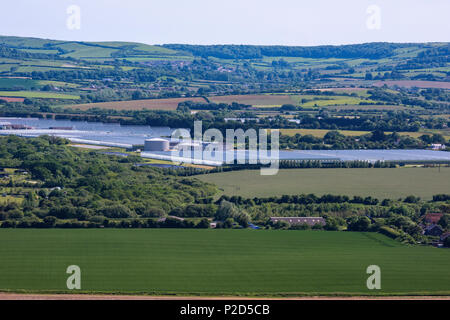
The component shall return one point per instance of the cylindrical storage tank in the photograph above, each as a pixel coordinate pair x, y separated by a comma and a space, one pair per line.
156, 144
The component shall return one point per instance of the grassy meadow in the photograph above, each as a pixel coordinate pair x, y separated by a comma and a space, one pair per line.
376, 182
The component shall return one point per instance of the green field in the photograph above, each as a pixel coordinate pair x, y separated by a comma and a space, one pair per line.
215, 262
375, 182
320, 133
38, 94
8, 83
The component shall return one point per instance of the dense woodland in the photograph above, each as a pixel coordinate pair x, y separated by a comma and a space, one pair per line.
368, 50
70, 184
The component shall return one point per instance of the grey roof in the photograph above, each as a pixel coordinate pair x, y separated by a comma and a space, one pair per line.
300, 220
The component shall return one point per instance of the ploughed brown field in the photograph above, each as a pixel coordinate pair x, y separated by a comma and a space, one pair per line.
10, 99
172, 103
149, 104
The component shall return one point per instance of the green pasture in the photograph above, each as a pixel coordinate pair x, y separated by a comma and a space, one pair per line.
381, 183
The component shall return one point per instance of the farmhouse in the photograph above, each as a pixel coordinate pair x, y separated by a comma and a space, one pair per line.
310, 221
433, 217
433, 230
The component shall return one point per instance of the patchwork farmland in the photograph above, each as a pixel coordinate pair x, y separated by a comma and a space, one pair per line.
147, 104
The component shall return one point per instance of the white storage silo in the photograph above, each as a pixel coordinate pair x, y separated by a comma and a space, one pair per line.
156, 144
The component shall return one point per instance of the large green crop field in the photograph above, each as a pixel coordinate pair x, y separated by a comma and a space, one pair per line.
375, 182
38, 94
216, 262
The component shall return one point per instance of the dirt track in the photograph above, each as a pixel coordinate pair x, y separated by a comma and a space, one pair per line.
18, 296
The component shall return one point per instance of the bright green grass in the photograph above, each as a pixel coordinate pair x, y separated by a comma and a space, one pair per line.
43, 51
58, 83
213, 262
336, 101
11, 83
375, 182
38, 94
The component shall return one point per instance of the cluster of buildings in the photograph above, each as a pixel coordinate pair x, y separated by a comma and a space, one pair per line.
431, 227
165, 145
437, 146
10, 126
16, 126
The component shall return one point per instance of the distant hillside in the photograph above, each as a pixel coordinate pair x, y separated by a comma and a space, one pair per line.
95, 72
84, 50
374, 50
108, 50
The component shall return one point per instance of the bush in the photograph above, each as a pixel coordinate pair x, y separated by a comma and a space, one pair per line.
117, 211
153, 212
281, 225
50, 221
387, 231
97, 219
229, 210
447, 242
203, 224
441, 197
358, 224
302, 226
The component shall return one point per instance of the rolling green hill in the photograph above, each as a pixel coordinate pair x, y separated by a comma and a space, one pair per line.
86, 50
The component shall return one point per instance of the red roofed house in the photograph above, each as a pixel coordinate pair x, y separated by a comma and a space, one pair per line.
433, 217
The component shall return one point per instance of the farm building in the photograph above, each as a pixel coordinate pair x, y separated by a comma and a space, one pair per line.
161, 144
433, 217
445, 236
156, 144
310, 221
9, 126
438, 146
61, 128
433, 230
219, 157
